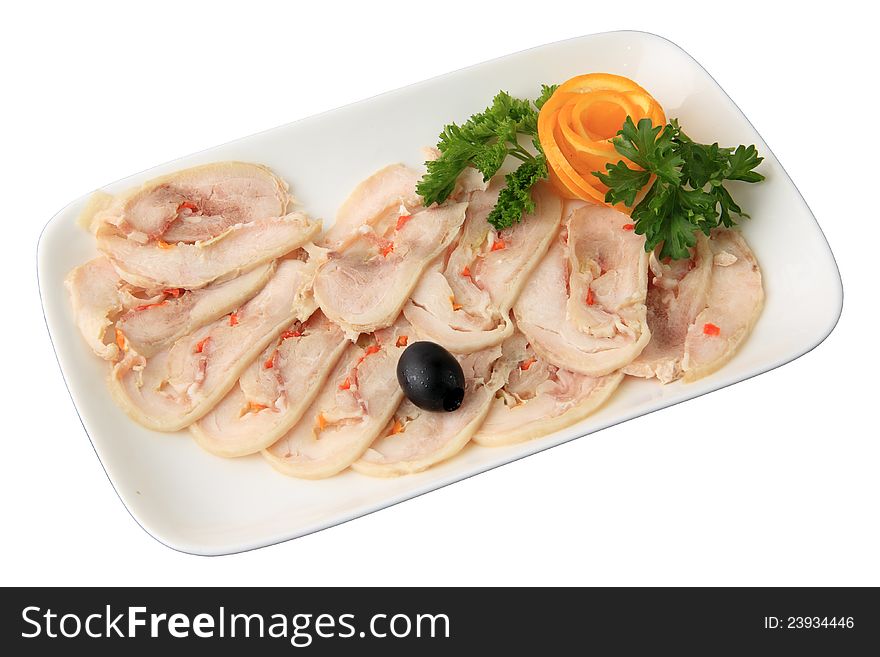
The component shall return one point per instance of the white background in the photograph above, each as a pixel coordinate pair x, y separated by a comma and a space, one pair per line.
773, 481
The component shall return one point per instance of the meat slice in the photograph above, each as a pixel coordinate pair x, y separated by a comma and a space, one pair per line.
539, 398
274, 391
356, 404
677, 293
736, 297
364, 286
466, 306
584, 307
199, 203
235, 251
94, 295
181, 383
387, 194
98, 296
151, 327
417, 439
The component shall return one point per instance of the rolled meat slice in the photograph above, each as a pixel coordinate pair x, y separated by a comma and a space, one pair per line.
416, 439
274, 391
677, 293
539, 398
736, 297
237, 250
584, 308
151, 327
197, 204
355, 405
466, 305
179, 384
363, 286
386, 194
98, 296
94, 295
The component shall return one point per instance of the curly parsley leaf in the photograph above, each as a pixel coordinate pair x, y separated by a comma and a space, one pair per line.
516, 196
688, 192
623, 183
484, 142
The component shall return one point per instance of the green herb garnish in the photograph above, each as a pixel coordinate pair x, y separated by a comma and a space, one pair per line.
688, 193
484, 142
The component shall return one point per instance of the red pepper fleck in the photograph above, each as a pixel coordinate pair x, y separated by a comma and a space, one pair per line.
386, 249
233, 319
200, 345
466, 271
396, 427
711, 329
526, 364
120, 340
497, 245
629, 226
291, 334
590, 298
402, 219
345, 385
402, 340
188, 205
372, 349
269, 363
151, 305
173, 292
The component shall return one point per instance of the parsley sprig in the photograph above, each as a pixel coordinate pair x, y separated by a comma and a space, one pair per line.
484, 142
688, 193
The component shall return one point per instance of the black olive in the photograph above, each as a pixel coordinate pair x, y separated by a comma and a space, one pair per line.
431, 377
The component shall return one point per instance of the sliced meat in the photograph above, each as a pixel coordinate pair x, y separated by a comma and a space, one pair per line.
180, 384
239, 249
94, 294
96, 203
736, 297
388, 193
539, 398
151, 327
354, 407
677, 293
199, 203
364, 286
417, 439
274, 391
98, 296
584, 309
466, 306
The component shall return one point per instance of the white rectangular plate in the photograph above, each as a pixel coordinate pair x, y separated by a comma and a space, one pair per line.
198, 503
